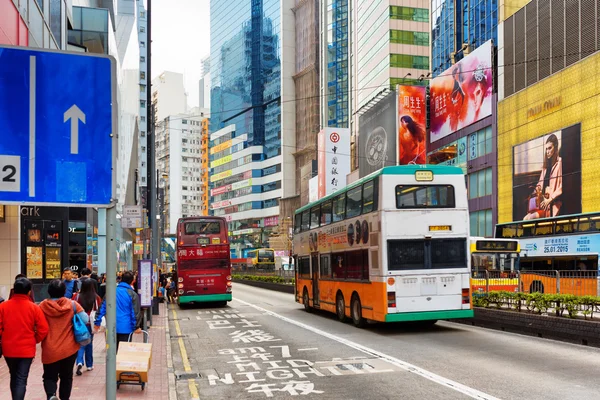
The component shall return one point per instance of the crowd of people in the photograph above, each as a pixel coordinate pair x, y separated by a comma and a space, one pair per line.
24, 324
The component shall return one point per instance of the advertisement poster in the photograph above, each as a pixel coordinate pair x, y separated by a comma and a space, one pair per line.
145, 283
34, 262
377, 136
411, 125
334, 159
547, 175
462, 95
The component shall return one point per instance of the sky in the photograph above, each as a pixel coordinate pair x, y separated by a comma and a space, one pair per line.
180, 40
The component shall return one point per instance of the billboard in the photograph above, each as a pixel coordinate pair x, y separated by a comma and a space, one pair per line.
462, 95
377, 136
334, 159
411, 125
547, 175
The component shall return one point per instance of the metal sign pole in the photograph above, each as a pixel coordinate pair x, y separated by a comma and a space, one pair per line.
111, 303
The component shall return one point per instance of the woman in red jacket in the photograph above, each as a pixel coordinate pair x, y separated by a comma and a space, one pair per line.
22, 326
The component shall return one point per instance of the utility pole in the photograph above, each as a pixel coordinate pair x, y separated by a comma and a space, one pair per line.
154, 253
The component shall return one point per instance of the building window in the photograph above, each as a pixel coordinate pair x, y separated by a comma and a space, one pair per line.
142, 88
142, 44
143, 134
409, 61
142, 59
481, 223
142, 104
142, 75
143, 118
409, 13
142, 29
142, 14
480, 143
409, 37
480, 183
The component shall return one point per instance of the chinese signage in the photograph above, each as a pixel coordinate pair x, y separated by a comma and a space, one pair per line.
334, 159
462, 95
411, 125
377, 136
272, 221
145, 282
556, 246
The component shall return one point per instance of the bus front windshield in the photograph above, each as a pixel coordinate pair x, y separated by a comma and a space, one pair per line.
494, 262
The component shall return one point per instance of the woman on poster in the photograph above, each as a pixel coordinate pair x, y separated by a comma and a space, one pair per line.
412, 142
549, 188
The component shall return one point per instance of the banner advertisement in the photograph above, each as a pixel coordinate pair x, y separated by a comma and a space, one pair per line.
462, 95
334, 159
218, 177
220, 147
220, 204
411, 125
220, 161
377, 136
271, 221
547, 175
242, 184
560, 246
220, 190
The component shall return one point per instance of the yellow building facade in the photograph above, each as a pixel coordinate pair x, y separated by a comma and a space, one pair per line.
568, 98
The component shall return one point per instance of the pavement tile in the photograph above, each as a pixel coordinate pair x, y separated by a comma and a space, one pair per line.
91, 385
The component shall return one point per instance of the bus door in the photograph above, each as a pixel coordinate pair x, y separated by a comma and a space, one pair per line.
314, 263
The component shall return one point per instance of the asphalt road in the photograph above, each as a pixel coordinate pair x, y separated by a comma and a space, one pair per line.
265, 345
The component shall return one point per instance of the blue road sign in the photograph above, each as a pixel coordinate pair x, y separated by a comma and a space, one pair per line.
57, 120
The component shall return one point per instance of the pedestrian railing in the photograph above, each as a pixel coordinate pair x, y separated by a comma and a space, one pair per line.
578, 283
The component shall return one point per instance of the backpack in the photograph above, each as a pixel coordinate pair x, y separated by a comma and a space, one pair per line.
80, 329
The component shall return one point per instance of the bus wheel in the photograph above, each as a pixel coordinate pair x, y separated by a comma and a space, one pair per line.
536, 286
340, 307
356, 312
305, 301
222, 304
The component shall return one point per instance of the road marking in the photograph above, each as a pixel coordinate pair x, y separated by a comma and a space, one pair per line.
32, 89
450, 384
311, 349
184, 357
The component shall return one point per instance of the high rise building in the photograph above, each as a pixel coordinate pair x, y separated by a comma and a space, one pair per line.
204, 84
142, 28
252, 124
392, 46
168, 95
179, 160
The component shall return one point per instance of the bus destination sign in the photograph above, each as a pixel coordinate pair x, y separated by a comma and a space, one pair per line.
496, 245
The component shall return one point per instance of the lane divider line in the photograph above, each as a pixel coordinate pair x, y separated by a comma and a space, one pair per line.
459, 387
184, 357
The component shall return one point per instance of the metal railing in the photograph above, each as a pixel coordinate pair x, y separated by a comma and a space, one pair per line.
578, 283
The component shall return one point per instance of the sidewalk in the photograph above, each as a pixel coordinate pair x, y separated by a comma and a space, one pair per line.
91, 385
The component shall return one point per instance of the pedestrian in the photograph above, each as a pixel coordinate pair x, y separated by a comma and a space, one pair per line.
59, 349
19, 276
89, 300
70, 282
22, 326
102, 289
129, 315
86, 273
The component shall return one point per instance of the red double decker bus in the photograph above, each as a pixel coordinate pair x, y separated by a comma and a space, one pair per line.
203, 260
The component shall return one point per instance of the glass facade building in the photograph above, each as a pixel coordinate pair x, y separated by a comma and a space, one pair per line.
459, 22
337, 63
245, 126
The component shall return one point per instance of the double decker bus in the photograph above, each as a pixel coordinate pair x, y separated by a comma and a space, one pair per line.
393, 246
558, 254
203, 260
262, 259
494, 264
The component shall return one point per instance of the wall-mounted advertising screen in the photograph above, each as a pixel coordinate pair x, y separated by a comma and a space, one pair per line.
547, 175
411, 125
462, 95
377, 136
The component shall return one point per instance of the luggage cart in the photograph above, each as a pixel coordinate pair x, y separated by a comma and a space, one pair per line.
132, 378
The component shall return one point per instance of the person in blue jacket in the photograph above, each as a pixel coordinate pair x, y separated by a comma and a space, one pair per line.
128, 310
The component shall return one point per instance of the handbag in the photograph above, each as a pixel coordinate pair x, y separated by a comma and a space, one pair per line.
82, 334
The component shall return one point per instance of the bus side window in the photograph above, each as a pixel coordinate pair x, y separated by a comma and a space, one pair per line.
354, 202
298, 223
369, 197
339, 208
326, 213
315, 216
305, 220
338, 265
325, 267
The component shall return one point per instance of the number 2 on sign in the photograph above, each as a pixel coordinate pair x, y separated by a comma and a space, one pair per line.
10, 173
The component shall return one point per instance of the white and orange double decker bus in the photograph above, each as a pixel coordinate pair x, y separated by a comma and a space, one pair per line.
393, 246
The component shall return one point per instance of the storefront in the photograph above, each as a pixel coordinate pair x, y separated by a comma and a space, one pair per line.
56, 238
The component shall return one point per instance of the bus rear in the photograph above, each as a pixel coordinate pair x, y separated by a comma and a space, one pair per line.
203, 260
425, 245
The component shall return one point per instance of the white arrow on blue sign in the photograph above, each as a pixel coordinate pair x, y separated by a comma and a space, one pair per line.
57, 127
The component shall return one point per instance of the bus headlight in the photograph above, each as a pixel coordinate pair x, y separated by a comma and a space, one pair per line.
228, 277
228, 284
180, 279
180, 291
180, 286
